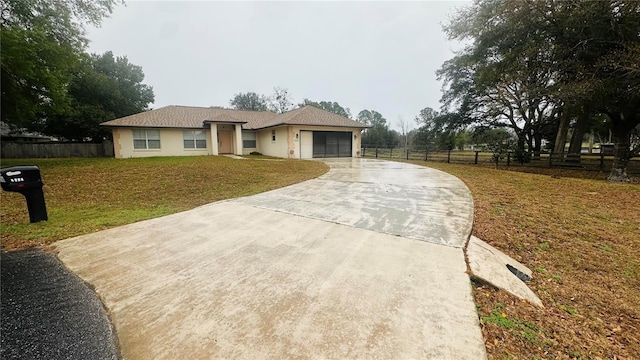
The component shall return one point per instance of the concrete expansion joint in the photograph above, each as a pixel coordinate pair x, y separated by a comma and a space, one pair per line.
404, 236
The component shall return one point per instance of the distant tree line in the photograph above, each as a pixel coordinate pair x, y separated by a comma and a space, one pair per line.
434, 130
280, 101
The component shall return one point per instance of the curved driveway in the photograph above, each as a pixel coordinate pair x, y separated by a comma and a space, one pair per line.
365, 261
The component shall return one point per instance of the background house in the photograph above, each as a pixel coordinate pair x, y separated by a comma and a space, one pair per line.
8, 133
304, 133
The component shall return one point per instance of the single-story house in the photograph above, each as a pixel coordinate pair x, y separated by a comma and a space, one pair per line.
303, 133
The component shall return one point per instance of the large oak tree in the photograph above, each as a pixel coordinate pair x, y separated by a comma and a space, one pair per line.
103, 87
42, 41
532, 64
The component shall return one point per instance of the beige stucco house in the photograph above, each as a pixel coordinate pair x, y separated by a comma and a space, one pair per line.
304, 133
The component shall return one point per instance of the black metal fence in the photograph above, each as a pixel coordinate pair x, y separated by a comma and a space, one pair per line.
591, 162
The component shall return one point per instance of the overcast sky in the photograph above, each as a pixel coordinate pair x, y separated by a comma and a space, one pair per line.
365, 55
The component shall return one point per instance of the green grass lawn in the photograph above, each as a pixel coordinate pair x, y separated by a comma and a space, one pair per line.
88, 195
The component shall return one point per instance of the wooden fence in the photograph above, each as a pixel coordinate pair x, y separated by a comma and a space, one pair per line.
13, 150
593, 162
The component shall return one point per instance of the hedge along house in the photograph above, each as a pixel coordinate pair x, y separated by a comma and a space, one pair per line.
304, 133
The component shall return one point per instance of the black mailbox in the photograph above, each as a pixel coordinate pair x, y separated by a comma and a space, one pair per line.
27, 181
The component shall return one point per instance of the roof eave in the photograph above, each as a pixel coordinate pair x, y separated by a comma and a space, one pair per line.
224, 122
152, 126
315, 125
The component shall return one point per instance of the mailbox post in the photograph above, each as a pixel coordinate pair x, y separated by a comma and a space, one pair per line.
26, 180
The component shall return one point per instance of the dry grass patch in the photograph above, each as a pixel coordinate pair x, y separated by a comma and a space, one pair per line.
581, 238
88, 195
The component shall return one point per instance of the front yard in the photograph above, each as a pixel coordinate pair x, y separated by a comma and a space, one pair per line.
580, 236
87, 195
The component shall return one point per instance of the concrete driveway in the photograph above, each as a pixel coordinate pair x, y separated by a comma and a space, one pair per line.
364, 262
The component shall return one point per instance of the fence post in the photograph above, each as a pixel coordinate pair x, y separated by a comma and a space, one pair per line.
550, 159
363, 151
601, 160
376, 153
390, 153
407, 154
508, 158
448, 156
426, 154
475, 162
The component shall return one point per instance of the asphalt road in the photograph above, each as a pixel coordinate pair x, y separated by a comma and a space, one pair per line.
46, 312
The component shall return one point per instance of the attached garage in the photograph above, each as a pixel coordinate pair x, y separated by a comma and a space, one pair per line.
325, 144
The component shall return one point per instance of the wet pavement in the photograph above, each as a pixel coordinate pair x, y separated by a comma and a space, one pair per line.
46, 312
393, 198
364, 262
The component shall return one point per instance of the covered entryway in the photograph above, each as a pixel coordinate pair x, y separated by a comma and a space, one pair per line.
325, 144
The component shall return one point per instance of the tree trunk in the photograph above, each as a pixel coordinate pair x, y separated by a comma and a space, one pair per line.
537, 145
561, 136
578, 134
521, 141
621, 154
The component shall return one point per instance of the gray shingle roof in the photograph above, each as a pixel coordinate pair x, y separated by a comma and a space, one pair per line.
310, 115
196, 117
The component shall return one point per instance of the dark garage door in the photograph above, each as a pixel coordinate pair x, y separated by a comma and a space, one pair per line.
331, 144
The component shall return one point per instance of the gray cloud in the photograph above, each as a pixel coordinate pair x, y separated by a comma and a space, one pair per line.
364, 55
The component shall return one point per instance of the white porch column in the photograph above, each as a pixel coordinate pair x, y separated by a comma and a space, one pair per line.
238, 139
214, 139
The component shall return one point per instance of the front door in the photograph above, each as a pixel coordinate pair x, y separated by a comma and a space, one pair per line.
225, 142
306, 144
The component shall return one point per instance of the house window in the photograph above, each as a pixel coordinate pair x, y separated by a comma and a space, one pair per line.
249, 140
273, 135
146, 139
194, 139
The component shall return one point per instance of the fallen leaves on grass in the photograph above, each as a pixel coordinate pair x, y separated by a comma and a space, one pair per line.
581, 237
